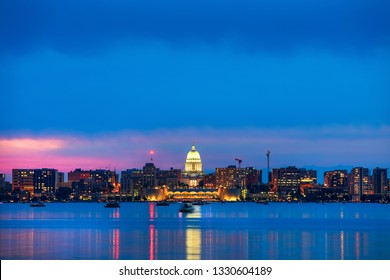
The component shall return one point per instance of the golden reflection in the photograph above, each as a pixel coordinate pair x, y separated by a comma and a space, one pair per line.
192, 215
193, 244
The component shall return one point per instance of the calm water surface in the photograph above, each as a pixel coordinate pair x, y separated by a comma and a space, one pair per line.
278, 231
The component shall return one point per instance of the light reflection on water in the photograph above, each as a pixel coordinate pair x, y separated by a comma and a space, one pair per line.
215, 231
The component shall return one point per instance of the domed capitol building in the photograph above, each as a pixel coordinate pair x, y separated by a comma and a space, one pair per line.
193, 170
191, 176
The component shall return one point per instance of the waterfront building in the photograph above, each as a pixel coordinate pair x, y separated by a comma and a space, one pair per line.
233, 177
308, 179
169, 178
380, 180
149, 177
308, 176
336, 179
227, 177
78, 175
193, 169
131, 182
23, 180
98, 181
104, 176
287, 180
359, 181
209, 181
253, 177
45, 181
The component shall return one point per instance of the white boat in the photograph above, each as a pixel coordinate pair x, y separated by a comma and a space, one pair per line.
187, 208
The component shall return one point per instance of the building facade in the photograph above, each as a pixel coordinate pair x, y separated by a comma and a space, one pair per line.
193, 169
23, 179
45, 181
336, 179
380, 180
359, 181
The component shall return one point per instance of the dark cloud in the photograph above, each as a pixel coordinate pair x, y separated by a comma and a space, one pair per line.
92, 25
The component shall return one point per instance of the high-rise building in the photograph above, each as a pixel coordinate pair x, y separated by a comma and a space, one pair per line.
336, 179
45, 181
232, 177
149, 172
286, 180
23, 179
380, 180
227, 177
131, 182
359, 180
253, 176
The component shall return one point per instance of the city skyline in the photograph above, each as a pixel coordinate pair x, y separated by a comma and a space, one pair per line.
92, 85
236, 162
48, 153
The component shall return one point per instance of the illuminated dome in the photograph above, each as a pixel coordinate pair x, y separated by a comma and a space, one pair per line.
193, 155
193, 163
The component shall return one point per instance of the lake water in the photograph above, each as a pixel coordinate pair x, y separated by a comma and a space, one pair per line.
220, 231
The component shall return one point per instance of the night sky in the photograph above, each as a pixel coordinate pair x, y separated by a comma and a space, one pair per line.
99, 83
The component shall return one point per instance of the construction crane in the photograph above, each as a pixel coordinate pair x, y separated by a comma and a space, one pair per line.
239, 162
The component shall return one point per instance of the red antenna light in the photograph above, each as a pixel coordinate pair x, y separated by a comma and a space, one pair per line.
151, 155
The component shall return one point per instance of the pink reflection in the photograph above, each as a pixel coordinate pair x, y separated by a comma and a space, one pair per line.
115, 244
152, 241
151, 211
115, 214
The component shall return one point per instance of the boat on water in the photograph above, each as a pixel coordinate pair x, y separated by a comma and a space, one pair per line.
162, 203
187, 208
37, 204
112, 204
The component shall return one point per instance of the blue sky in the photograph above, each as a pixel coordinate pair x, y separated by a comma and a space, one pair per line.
307, 79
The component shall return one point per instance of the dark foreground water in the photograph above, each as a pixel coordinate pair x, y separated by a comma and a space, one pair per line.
277, 231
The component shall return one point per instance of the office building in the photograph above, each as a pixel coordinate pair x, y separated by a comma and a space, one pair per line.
380, 180
23, 180
336, 179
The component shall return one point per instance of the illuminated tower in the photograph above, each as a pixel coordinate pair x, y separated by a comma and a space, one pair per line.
193, 162
193, 170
